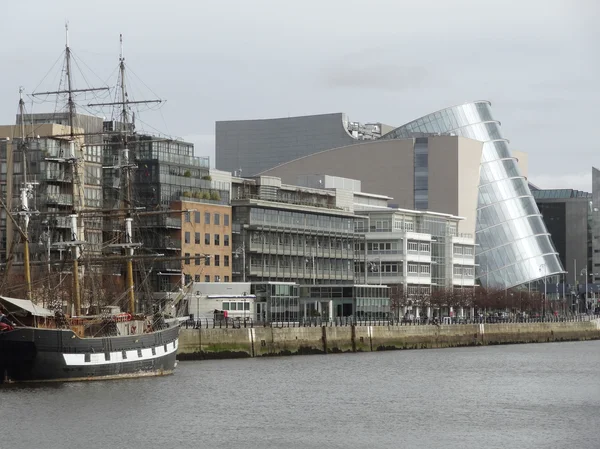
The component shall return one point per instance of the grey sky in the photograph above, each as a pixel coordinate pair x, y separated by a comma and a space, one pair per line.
377, 60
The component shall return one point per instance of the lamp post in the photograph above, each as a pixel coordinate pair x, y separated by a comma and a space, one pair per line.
584, 272
372, 266
544, 300
242, 250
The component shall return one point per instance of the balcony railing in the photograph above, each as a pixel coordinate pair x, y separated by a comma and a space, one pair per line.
58, 198
163, 243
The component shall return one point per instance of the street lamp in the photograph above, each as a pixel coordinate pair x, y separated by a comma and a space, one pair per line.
242, 250
372, 266
313, 268
584, 272
544, 301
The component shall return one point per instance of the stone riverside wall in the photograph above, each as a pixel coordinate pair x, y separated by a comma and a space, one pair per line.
195, 344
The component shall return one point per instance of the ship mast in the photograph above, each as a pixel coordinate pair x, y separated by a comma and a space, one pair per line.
127, 203
74, 158
126, 166
24, 195
75, 178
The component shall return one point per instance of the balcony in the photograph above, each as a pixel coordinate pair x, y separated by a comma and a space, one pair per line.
160, 221
168, 266
163, 243
61, 199
56, 176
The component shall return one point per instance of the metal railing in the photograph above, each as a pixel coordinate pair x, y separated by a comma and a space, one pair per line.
240, 323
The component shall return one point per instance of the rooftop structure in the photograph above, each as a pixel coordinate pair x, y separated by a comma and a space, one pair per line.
248, 147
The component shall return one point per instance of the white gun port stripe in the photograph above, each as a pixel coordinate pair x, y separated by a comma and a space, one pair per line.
135, 355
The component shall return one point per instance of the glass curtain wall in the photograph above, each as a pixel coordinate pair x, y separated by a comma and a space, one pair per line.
514, 246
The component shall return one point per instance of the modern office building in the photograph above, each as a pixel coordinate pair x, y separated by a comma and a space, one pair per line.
49, 168
168, 177
453, 161
289, 233
567, 214
417, 250
595, 224
248, 147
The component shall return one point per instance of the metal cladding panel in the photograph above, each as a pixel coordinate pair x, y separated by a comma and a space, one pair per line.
514, 244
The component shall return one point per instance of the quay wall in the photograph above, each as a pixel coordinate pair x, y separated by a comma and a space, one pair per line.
198, 344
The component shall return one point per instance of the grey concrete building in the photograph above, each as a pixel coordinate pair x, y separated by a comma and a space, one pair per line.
253, 146
567, 216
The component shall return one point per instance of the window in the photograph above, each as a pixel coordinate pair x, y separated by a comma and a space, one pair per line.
207, 239
226, 279
197, 278
225, 306
217, 260
413, 268
413, 246
233, 306
87, 358
197, 259
425, 269
153, 351
197, 238
468, 251
124, 355
139, 353
217, 219
225, 219
458, 250
217, 239
226, 240
107, 356
188, 219
207, 261
196, 217
217, 278
409, 226
206, 218
225, 261
425, 247
207, 278
187, 238
188, 278
187, 258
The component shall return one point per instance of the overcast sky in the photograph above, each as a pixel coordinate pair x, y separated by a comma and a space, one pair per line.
391, 61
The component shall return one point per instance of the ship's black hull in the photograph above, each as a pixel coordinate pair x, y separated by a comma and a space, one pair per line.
46, 355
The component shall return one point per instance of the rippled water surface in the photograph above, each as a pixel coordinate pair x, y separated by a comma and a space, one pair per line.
522, 396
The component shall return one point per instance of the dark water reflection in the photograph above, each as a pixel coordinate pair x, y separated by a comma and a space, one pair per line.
526, 396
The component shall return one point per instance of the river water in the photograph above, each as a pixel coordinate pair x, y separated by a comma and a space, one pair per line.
520, 396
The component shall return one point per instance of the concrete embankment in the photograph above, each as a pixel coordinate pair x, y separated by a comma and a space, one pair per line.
195, 344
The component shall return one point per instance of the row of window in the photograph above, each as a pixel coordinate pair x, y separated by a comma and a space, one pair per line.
463, 271
463, 250
216, 239
414, 268
198, 257
236, 306
207, 215
197, 278
418, 246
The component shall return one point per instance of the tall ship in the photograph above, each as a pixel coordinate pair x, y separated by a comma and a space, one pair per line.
38, 344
